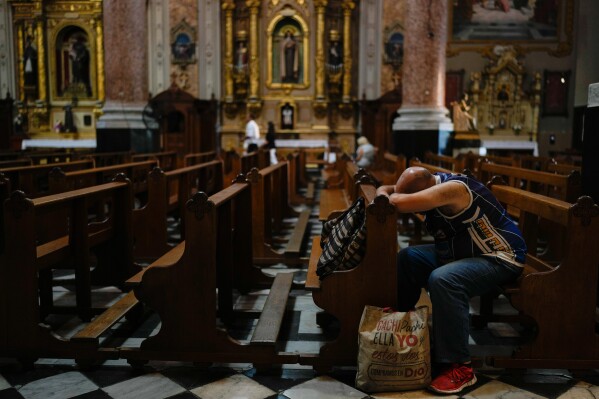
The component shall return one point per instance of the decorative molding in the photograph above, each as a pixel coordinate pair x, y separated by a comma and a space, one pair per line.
158, 48
7, 57
369, 81
209, 46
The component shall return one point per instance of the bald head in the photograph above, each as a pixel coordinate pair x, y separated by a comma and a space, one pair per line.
414, 179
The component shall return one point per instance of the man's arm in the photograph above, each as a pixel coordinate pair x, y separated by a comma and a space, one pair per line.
450, 197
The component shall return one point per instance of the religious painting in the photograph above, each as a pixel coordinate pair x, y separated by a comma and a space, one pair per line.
543, 23
394, 49
73, 63
287, 53
183, 44
555, 95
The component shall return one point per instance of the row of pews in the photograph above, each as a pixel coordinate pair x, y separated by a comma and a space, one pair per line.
558, 225
93, 228
229, 233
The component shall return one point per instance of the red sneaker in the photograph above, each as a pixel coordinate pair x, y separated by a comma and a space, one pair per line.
452, 380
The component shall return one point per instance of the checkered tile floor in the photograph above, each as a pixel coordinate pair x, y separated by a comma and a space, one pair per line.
59, 378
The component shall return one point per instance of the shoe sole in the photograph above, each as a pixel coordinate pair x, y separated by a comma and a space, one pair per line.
467, 384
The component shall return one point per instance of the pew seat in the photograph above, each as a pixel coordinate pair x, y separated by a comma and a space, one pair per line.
271, 318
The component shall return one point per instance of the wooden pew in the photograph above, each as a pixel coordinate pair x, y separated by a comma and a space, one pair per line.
338, 199
25, 295
45, 158
295, 197
137, 172
270, 205
235, 165
34, 180
166, 160
110, 158
373, 282
168, 192
566, 188
333, 175
472, 161
565, 324
443, 161
563, 168
199, 157
532, 162
181, 288
15, 163
391, 167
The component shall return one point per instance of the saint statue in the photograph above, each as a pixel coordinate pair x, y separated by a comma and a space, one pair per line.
289, 59
463, 121
79, 55
287, 116
30, 63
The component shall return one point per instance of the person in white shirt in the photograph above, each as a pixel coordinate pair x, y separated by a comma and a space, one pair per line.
252, 135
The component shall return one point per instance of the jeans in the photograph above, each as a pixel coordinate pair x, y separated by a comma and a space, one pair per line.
450, 287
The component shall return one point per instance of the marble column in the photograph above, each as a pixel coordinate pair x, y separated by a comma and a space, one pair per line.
423, 123
121, 127
369, 81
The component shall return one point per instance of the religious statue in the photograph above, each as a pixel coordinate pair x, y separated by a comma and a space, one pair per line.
335, 55
462, 119
289, 59
30, 64
79, 55
287, 116
69, 122
241, 56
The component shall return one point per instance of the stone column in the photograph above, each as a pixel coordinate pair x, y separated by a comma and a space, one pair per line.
121, 127
423, 123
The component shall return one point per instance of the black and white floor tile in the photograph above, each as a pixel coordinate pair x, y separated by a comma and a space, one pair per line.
62, 379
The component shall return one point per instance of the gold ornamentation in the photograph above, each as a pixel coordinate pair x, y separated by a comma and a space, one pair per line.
41, 64
348, 6
254, 6
100, 58
320, 108
228, 6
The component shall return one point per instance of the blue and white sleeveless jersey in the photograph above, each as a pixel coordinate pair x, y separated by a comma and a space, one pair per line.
482, 229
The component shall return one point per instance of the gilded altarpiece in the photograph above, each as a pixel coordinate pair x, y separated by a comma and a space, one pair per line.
60, 66
502, 107
289, 62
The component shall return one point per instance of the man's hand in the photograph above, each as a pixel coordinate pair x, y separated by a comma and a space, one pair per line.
385, 190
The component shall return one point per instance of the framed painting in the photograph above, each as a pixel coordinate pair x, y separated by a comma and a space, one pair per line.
555, 93
528, 25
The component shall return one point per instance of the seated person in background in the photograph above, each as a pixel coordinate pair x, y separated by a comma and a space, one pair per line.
364, 153
477, 248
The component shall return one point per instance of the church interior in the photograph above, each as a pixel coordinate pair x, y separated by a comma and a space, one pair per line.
170, 171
